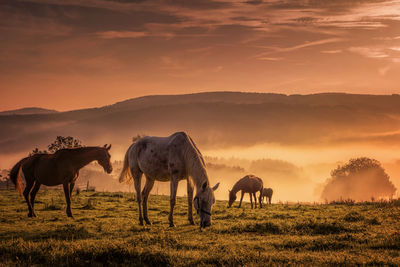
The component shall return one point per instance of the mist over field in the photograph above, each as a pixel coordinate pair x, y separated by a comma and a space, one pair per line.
292, 142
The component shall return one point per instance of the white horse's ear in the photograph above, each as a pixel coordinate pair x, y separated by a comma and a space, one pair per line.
204, 186
108, 148
215, 187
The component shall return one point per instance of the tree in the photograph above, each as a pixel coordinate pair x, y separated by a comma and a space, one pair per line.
60, 143
64, 142
37, 151
360, 179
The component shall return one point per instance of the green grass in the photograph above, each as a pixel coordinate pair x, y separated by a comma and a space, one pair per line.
105, 230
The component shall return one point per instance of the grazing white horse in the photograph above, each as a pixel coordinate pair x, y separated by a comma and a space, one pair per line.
171, 158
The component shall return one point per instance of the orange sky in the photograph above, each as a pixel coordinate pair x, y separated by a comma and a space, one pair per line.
96, 52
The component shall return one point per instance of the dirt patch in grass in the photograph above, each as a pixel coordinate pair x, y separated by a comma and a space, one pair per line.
353, 216
390, 242
373, 221
66, 232
262, 227
321, 228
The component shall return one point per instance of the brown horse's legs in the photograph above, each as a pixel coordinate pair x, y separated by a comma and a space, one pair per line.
241, 198
33, 195
190, 200
146, 191
68, 199
255, 200
251, 199
172, 200
71, 188
138, 183
269, 200
260, 199
27, 190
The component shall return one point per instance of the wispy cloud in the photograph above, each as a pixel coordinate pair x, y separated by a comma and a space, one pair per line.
337, 51
369, 52
308, 44
271, 58
273, 50
121, 34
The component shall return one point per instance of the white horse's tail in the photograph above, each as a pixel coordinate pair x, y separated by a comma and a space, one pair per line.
125, 175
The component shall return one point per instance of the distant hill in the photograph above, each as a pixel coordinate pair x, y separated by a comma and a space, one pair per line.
28, 111
216, 119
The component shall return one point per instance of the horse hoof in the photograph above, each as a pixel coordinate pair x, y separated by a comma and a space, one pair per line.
191, 222
171, 225
148, 222
30, 215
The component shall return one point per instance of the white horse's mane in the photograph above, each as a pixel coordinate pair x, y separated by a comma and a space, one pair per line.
196, 167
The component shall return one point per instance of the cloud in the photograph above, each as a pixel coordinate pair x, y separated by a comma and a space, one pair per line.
274, 50
308, 44
332, 51
271, 58
121, 34
369, 52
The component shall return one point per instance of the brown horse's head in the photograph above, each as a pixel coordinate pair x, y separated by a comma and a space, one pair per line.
105, 159
232, 198
203, 202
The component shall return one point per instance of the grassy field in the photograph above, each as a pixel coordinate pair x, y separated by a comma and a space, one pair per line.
105, 230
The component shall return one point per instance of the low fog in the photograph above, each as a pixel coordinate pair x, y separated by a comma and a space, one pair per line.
292, 142
294, 174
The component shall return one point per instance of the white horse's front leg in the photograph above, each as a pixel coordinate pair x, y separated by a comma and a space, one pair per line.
172, 200
190, 200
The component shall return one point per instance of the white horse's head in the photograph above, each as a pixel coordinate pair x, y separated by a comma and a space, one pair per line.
203, 202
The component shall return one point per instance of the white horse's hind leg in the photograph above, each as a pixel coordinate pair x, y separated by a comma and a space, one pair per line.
138, 181
146, 191
190, 200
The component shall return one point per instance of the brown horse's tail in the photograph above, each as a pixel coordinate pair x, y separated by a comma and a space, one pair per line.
15, 175
125, 175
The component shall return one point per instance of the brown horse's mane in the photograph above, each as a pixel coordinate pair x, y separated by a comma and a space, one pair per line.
76, 149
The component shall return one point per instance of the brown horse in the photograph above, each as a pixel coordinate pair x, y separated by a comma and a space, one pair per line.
62, 167
267, 192
248, 184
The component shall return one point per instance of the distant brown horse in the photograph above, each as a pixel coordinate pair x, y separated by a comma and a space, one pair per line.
267, 192
62, 167
248, 184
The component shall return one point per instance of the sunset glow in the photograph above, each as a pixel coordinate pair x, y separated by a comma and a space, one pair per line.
93, 53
